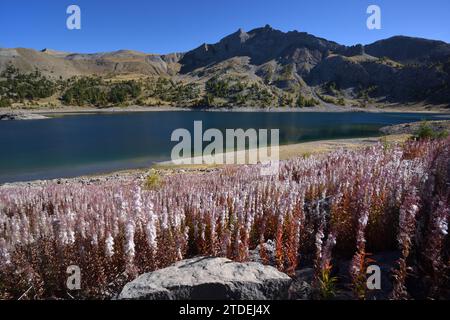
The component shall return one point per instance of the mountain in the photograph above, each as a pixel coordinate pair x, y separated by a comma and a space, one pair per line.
284, 66
261, 46
409, 50
65, 65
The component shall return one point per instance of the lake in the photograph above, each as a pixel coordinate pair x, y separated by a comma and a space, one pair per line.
73, 145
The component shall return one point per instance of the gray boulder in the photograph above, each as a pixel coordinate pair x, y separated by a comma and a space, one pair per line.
210, 278
269, 248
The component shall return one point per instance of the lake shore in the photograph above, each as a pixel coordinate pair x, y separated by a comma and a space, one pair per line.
393, 108
165, 169
411, 128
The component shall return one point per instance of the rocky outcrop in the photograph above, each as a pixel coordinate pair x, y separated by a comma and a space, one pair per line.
21, 116
356, 50
341, 70
269, 248
210, 278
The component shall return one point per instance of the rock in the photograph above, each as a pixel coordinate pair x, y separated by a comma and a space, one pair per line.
269, 248
344, 69
21, 116
210, 278
301, 287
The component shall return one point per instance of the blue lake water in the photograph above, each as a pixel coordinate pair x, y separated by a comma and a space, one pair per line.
72, 145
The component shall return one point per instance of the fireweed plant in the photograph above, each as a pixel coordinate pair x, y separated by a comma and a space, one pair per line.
318, 210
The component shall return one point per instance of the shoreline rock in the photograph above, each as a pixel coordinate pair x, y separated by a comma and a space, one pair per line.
21, 116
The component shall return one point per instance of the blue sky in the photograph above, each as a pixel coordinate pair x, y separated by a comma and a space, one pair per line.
180, 25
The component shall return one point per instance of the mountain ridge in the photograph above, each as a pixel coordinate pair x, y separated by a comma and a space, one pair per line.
399, 68
372, 48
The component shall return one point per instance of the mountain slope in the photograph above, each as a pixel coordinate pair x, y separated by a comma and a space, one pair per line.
285, 66
409, 50
65, 65
261, 45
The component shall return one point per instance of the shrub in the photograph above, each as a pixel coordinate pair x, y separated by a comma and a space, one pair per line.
17, 86
5, 103
153, 180
341, 101
121, 92
304, 102
327, 284
425, 131
85, 91
217, 87
166, 90
327, 99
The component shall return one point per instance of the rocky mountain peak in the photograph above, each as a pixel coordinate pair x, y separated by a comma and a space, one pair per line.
261, 45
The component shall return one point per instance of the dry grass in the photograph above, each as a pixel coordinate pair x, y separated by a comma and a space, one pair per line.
304, 149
